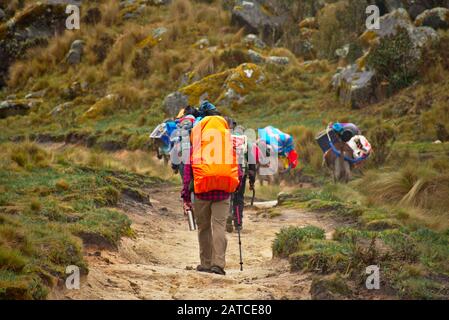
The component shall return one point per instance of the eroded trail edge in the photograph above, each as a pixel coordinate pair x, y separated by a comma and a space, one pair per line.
159, 261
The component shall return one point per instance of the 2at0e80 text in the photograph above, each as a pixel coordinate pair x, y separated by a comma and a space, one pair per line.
241, 309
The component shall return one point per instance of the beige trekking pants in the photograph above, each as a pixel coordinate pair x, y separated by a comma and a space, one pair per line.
211, 220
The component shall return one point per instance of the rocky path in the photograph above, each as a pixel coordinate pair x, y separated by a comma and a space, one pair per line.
159, 262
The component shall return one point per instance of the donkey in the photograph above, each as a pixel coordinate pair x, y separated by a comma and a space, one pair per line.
340, 168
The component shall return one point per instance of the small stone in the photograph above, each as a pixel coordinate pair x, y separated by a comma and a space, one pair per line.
202, 43
278, 60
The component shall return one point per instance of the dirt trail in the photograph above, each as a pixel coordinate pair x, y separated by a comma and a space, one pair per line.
158, 263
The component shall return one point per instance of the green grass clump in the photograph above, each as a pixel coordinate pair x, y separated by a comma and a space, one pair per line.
289, 239
322, 257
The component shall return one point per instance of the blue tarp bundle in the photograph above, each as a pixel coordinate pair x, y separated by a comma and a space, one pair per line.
281, 142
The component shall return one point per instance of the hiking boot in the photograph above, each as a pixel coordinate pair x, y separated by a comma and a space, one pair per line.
201, 268
229, 226
218, 270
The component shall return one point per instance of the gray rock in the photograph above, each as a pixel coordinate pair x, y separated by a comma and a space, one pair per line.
202, 43
413, 7
159, 2
436, 18
61, 108
2, 15
254, 18
73, 57
252, 40
11, 108
77, 45
342, 52
255, 57
278, 60
37, 94
76, 52
30, 27
355, 88
159, 32
174, 102
392, 23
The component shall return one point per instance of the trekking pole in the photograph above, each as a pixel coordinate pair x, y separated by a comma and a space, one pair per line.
253, 197
190, 219
240, 240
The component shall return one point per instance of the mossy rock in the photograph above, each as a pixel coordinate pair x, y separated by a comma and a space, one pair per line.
331, 287
149, 41
245, 78
210, 86
230, 84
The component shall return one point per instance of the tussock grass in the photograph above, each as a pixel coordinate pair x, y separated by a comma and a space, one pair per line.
410, 186
309, 152
181, 10
110, 13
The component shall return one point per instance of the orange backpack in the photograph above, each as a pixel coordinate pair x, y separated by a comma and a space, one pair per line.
214, 163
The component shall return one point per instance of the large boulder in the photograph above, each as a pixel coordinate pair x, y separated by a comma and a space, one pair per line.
436, 18
224, 88
174, 102
241, 81
29, 27
355, 88
257, 18
391, 61
397, 34
210, 88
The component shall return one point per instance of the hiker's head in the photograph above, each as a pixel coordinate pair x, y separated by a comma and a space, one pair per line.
191, 111
207, 109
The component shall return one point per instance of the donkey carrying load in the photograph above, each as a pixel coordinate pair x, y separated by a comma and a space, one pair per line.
344, 148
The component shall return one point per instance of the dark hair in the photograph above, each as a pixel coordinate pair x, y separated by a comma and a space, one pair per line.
211, 113
189, 110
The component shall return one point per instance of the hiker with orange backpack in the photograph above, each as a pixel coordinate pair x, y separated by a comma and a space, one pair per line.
212, 175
